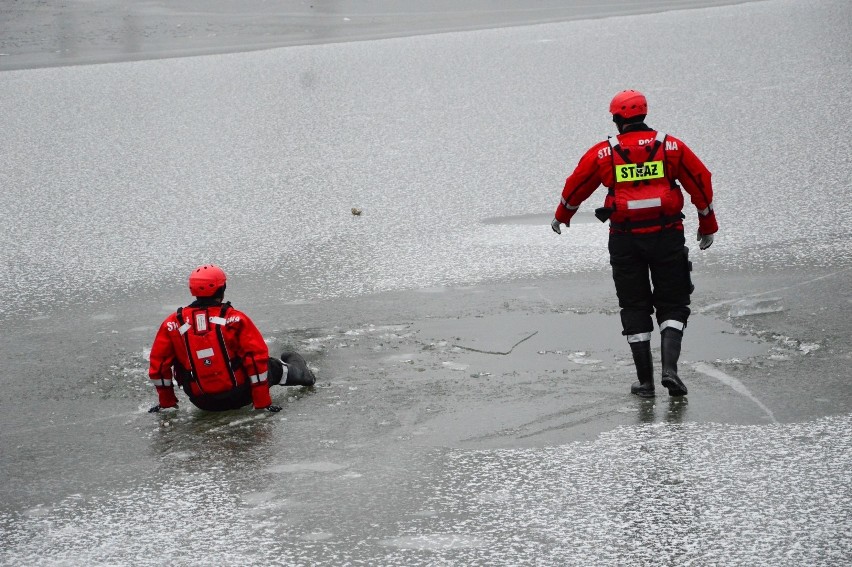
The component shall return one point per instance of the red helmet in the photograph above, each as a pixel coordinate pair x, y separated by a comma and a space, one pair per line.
206, 280
628, 104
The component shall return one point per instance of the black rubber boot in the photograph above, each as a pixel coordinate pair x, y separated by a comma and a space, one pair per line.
298, 373
644, 387
670, 352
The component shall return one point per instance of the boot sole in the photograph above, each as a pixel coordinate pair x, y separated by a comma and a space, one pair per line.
644, 394
674, 387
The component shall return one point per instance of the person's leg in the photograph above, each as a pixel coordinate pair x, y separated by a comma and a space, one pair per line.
297, 372
670, 352
670, 269
644, 362
275, 371
633, 288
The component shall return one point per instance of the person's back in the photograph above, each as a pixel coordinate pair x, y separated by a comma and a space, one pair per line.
642, 169
213, 349
216, 354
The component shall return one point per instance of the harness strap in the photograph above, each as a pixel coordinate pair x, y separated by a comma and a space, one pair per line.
616, 147
184, 327
222, 344
662, 221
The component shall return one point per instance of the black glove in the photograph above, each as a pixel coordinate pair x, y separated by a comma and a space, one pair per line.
274, 409
155, 409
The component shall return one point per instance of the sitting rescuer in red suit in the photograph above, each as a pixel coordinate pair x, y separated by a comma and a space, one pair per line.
217, 355
641, 168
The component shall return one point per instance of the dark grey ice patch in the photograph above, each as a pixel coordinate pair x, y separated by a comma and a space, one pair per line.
658, 494
734, 384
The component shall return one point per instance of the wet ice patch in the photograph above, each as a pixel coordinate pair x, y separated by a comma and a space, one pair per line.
318, 466
36, 512
237, 422
756, 306
406, 358
426, 513
258, 498
582, 358
180, 455
103, 317
734, 384
431, 290
144, 329
317, 536
435, 542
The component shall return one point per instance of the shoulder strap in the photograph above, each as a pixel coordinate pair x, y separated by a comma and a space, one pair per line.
658, 142
184, 327
616, 147
219, 324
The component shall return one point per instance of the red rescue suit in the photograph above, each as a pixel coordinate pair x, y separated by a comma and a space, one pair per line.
641, 170
209, 350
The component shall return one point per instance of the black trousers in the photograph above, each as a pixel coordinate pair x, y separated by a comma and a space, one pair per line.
651, 273
238, 397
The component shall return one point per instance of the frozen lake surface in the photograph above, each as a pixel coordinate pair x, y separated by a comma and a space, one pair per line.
471, 407
120, 178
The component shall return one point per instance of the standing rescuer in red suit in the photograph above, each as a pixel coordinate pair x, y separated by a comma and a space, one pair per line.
216, 354
650, 265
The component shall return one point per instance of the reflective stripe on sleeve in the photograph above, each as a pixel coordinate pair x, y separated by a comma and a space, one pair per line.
258, 378
184, 328
162, 382
569, 207
706, 211
613, 141
660, 137
639, 338
218, 320
645, 203
671, 323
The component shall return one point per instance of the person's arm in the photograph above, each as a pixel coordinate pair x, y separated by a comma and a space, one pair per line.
696, 181
254, 354
578, 187
160, 370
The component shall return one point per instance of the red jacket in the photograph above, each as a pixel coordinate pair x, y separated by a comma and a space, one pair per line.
209, 370
643, 199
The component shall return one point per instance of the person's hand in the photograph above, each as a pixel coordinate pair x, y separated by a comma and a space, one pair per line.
704, 240
274, 409
555, 225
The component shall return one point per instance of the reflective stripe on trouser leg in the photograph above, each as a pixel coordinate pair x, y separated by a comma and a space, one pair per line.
162, 382
672, 324
639, 338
